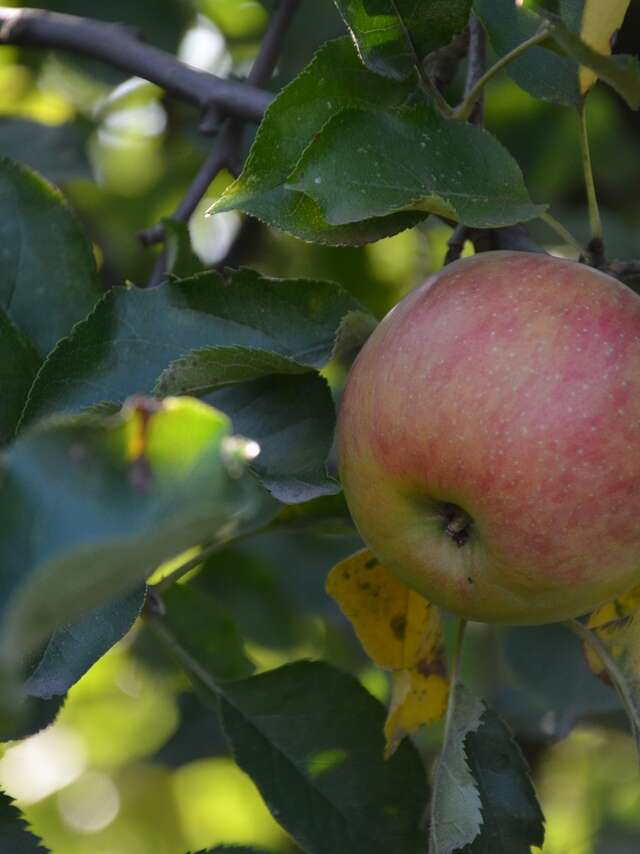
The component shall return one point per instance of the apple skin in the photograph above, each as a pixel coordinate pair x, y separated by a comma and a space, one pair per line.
489, 439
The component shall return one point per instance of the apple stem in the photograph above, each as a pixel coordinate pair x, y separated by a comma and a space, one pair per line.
615, 674
458, 524
594, 211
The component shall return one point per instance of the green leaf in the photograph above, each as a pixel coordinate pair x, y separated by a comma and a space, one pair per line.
66, 657
311, 739
292, 418
392, 34
207, 631
456, 814
56, 151
19, 363
48, 278
73, 649
203, 370
621, 71
30, 715
541, 72
200, 334
15, 836
111, 499
245, 586
548, 688
448, 167
134, 335
333, 81
483, 798
512, 818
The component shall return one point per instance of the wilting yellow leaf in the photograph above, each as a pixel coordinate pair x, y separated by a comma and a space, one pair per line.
399, 630
600, 20
617, 624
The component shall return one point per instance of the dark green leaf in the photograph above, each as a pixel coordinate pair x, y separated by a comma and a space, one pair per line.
483, 799
56, 151
112, 499
19, 363
30, 716
334, 80
203, 370
621, 72
47, 277
206, 631
539, 71
511, 816
246, 587
448, 167
134, 335
15, 836
548, 687
72, 650
139, 341
326, 515
311, 739
292, 418
392, 34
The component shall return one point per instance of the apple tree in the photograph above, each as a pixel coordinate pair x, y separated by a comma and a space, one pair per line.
180, 306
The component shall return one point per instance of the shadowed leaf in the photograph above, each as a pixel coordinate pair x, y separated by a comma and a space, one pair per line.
392, 35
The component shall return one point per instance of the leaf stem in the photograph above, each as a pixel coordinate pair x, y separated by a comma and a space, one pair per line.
455, 669
184, 656
205, 552
594, 211
615, 674
562, 232
465, 108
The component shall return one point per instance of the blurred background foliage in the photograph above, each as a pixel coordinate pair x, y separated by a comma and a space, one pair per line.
134, 763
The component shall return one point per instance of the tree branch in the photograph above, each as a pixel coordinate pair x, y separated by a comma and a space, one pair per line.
118, 46
227, 144
476, 67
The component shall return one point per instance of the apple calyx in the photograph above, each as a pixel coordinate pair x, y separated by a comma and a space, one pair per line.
458, 524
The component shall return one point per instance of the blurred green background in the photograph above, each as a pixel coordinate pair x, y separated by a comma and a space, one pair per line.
134, 764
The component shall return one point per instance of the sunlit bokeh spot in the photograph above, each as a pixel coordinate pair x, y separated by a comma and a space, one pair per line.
90, 804
42, 764
220, 804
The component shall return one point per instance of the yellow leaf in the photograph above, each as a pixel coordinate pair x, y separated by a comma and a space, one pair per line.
417, 698
399, 630
617, 624
600, 20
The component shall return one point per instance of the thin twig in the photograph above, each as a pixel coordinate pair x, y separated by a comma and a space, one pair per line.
615, 674
464, 109
180, 571
476, 62
191, 664
119, 47
476, 67
227, 144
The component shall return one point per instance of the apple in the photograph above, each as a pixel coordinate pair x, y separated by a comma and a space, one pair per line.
489, 439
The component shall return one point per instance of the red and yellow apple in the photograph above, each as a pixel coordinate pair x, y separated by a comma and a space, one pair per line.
489, 439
